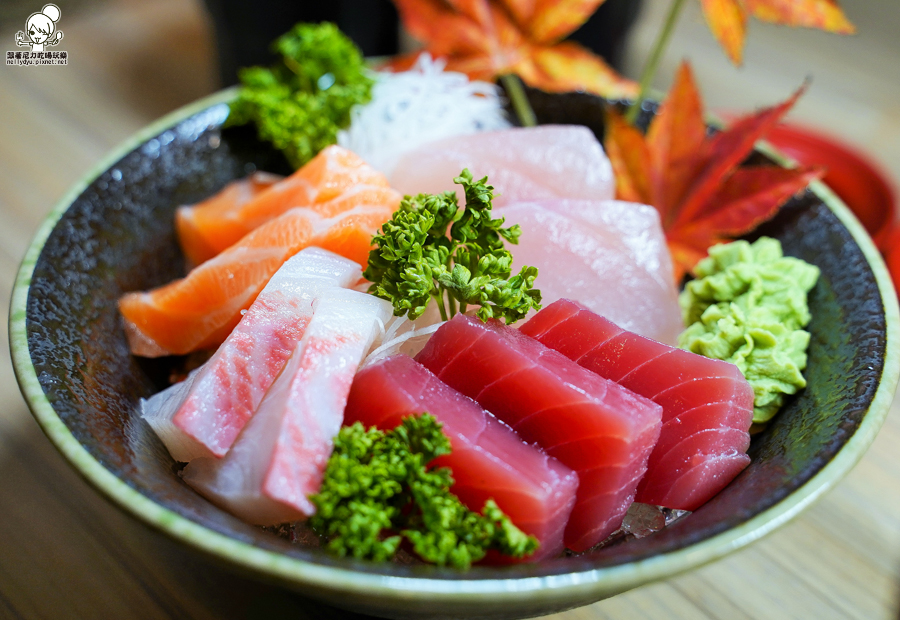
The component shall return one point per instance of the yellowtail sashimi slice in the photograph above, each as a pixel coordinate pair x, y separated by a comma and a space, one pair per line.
609, 255
202, 416
527, 163
280, 456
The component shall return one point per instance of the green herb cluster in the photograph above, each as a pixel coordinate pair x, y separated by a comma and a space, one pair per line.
377, 490
433, 249
299, 103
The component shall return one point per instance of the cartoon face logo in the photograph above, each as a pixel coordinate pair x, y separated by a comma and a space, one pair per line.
41, 29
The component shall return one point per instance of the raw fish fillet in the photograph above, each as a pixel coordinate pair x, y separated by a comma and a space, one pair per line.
203, 415
601, 430
280, 456
488, 459
526, 163
707, 404
212, 226
610, 255
200, 310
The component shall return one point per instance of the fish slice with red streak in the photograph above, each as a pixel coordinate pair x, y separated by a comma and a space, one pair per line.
279, 458
598, 428
707, 404
488, 459
202, 415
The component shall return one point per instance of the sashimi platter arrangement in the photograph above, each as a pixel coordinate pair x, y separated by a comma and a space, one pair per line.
443, 338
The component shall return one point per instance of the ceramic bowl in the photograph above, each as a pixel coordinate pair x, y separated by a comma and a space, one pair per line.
114, 233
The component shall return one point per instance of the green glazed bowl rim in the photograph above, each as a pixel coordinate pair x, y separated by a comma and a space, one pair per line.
580, 585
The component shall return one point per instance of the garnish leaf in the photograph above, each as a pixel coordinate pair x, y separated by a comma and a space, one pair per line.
489, 38
378, 482
694, 180
433, 249
299, 103
727, 19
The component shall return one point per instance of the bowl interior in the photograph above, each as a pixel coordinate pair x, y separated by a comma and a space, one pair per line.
117, 236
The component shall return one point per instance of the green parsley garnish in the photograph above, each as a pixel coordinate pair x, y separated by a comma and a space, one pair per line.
377, 490
433, 249
299, 103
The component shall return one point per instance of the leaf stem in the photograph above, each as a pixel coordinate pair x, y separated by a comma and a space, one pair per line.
516, 92
662, 40
439, 298
451, 301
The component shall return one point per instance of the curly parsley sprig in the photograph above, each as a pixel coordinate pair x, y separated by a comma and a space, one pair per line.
377, 489
299, 103
433, 249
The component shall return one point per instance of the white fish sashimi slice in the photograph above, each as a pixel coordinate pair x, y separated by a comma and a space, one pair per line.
202, 416
280, 456
526, 163
609, 255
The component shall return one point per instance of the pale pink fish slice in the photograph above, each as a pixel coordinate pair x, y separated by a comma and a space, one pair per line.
608, 254
279, 458
526, 163
202, 416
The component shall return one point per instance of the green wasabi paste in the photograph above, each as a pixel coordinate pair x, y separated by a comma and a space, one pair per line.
748, 307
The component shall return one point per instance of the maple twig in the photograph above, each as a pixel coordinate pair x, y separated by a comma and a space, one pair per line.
513, 87
653, 62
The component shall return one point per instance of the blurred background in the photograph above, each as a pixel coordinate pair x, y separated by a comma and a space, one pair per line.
66, 553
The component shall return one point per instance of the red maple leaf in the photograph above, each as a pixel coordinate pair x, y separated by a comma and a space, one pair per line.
489, 38
727, 19
703, 195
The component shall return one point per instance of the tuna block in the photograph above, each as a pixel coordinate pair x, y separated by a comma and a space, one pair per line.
599, 429
707, 404
489, 460
280, 456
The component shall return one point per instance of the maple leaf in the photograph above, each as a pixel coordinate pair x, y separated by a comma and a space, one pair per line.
696, 182
486, 39
727, 19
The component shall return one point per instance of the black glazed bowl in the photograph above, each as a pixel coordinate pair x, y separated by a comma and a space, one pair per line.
114, 233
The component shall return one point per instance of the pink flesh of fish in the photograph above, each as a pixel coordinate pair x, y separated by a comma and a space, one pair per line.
707, 404
489, 460
202, 416
533, 163
601, 430
280, 456
610, 255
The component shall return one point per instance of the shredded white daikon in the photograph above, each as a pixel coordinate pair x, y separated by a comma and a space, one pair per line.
404, 336
411, 108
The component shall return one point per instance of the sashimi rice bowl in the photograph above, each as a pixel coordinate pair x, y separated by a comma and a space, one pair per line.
205, 370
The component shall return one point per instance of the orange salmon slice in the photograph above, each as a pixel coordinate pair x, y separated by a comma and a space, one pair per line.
200, 310
212, 226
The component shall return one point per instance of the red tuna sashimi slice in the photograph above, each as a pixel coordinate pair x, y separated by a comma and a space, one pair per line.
489, 460
680, 382
585, 421
278, 459
202, 416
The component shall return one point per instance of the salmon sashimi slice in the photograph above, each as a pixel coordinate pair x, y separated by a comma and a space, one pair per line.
194, 243
707, 404
200, 310
279, 458
488, 459
202, 416
576, 416
212, 226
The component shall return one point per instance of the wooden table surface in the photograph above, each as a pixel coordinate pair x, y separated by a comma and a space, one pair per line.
67, 553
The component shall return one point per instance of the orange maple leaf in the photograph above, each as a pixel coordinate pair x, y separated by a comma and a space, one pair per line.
727, 19
489, 38
696, 182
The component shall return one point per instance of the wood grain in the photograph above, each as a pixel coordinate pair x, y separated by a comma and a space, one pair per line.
66, 553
